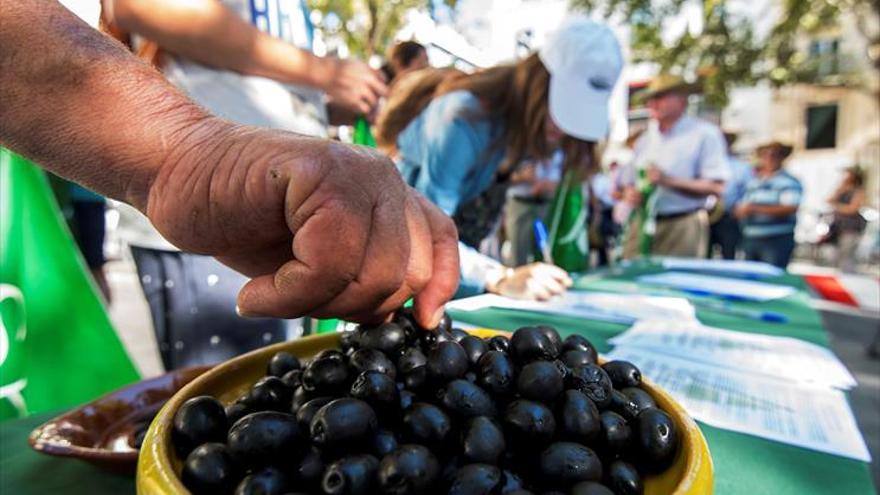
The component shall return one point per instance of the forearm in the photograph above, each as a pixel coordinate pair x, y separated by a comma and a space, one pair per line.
694, 187
772, 210
80, 105
211, 34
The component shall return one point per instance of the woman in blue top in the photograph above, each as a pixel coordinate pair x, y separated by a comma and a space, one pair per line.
458, 139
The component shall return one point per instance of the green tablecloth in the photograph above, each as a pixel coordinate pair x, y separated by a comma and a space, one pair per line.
743, 464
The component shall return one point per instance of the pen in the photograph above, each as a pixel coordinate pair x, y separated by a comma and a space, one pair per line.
541, 238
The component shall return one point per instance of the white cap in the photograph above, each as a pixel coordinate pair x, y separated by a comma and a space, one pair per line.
584, 61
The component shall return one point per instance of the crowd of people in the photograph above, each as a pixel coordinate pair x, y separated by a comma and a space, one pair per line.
258, 214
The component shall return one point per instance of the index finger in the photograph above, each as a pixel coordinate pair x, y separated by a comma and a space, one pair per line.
428, 303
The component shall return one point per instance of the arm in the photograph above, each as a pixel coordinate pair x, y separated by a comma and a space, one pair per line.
211, 34
690, 187
323, 228
714, 169
772, 210
853, 207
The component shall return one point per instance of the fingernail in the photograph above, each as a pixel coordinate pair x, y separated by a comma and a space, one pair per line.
247, 314
435, 320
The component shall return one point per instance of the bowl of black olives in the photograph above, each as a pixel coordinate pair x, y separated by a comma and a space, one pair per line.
396, 409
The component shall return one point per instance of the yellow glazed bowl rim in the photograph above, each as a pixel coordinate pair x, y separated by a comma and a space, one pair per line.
157, 465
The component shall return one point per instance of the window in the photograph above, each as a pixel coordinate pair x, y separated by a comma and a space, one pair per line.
821, 127
825, 54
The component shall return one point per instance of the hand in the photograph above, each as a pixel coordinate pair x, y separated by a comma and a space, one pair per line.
742, 210
534, 281
543, 188
352, 84
655, 175
632, 196
325, 229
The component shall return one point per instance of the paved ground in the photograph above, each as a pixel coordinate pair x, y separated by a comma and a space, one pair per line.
850, 335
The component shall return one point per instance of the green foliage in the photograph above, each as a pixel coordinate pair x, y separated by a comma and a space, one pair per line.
726, 52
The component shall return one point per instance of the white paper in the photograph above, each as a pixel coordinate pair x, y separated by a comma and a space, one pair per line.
603, 306
811, 417
783, 358
739, 267
722, 286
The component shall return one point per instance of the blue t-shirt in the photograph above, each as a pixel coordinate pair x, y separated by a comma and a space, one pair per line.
447, 153
735, 187
780, 188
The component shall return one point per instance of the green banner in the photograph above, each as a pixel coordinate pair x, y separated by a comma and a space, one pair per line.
57, 345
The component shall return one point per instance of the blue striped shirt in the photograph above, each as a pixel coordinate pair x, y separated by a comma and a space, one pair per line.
780, 188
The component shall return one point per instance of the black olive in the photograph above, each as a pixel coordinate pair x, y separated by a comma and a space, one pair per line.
266, 438
616, 433
590, 488
462, 399
309, 470
445, 324
268, 481
300, 397
343, 424
372, 360
623, 405
348, 341
553, 336
563, 464
209, 469
641, 398
407, 322
530, 344
656, 440
292, 379
335, 354
574, 358
578, 418
511, 483
409, 470
471, 377
623, 374
496, 373
529, 422
407, 399
474, 347
593, 382
623, 478
474, 479
308, 410
387, 337
427, 425
541, 381
384, 442
410, 359
499, 343
270, 393
281, 363
199, 420
447, 361
326, 376
351, 475
417, 379
482, 441
580, 343
376, 389
237, 410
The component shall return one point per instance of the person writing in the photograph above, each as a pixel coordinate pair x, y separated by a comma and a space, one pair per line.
465, 142
768, 209
322, 228
684, 158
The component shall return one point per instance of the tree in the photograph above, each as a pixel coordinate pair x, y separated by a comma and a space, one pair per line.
367, 26
726, 51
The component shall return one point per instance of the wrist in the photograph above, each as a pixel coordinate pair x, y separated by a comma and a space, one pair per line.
496, 276
323, 72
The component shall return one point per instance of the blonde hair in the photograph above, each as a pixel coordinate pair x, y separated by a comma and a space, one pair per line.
516, 95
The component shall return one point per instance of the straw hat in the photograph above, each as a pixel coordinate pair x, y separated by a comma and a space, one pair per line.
667, 83
783, 149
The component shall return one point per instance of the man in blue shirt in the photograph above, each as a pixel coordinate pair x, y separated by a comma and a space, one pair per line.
726, 232
768, 209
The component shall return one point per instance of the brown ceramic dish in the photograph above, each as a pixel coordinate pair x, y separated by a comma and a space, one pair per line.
103, 432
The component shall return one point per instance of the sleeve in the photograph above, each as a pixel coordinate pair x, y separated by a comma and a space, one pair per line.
714, 163
452, 147
475, 268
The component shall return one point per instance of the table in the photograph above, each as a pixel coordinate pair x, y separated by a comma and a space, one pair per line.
743, 464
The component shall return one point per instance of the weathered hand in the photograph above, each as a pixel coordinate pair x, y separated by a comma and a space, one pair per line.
324, 229
539, 281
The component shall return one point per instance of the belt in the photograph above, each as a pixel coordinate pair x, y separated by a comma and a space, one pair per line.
532, 200
673, 216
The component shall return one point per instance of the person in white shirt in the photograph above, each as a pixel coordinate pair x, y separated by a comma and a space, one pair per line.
686, 160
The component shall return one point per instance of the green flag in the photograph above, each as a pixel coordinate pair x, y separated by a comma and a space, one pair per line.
57, 346
567, 224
